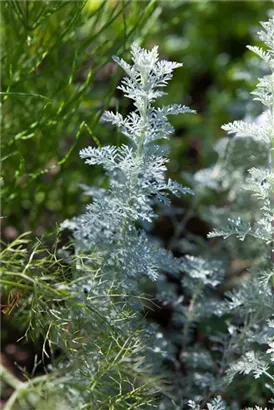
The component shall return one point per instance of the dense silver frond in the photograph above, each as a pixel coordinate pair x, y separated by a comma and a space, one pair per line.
267, 35
235, 227
209, 273
265, 90
249, 181
245, 129
251, 298
216, 404
136, 173
251, 363
174, 109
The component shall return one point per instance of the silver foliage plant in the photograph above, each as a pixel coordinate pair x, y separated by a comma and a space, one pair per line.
110, 227
109, 235
242, 347
109, 238
260, 180
251, 343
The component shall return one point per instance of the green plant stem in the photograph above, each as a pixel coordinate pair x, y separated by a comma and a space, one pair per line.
16, 284
13, 382
139, 153
21, 388
191, 312
269, 375
9, 378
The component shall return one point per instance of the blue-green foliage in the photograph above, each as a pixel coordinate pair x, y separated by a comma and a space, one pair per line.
238, 325
110, 228
249, 348
136, 174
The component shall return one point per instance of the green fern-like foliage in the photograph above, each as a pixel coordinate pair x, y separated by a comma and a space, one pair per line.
90, 333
